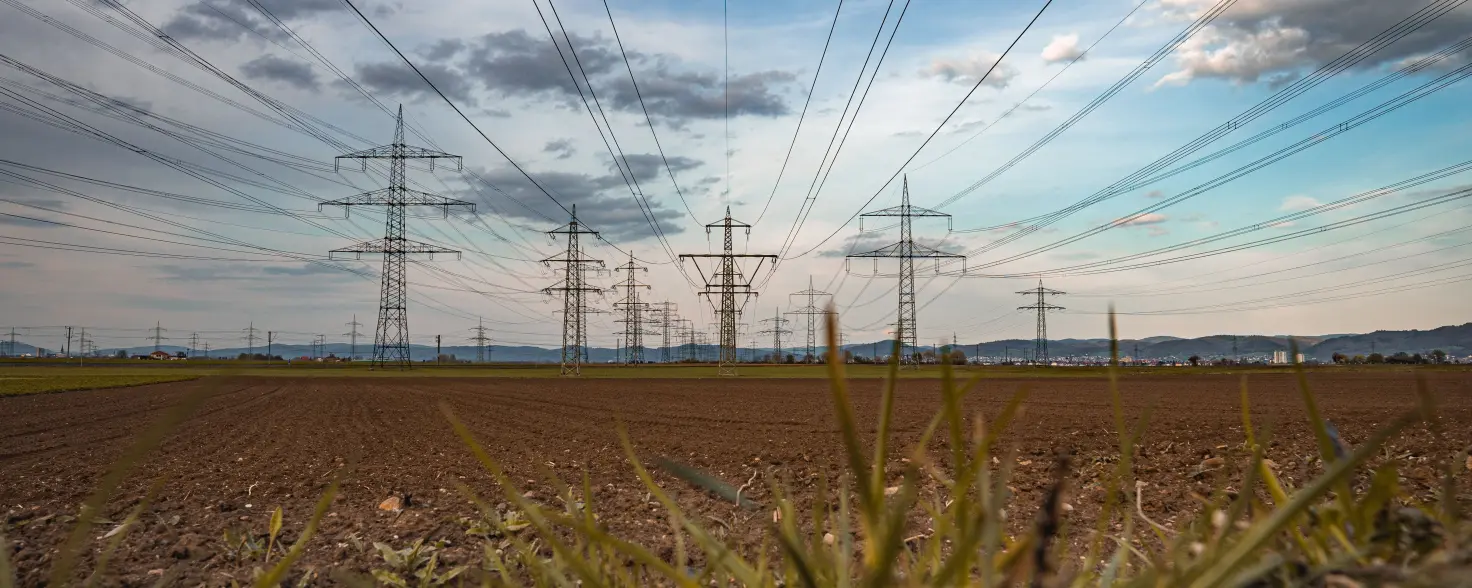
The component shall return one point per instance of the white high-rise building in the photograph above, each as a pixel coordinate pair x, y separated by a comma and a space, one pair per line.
1280, 357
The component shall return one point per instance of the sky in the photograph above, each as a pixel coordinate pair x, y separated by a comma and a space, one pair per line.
143, 183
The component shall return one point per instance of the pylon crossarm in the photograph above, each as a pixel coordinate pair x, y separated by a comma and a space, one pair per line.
405, 197
402, 151
385, 246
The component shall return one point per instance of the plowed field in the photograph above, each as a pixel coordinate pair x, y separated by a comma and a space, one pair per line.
257, 443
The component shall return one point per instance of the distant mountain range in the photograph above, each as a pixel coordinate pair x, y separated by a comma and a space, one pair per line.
1455, 340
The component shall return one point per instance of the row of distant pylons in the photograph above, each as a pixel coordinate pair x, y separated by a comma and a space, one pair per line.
725, 283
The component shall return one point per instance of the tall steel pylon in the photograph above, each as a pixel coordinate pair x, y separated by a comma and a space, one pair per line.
776, 331
352, 336
574, 291
728, 280
664, 313
633, 311
480, 340
1040, 347
812, 311
391, 339
907, 251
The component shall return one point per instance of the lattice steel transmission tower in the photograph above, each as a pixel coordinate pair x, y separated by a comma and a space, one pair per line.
158, 336
1040, 347
480, 340
391, 339
812, 311
352, 336
907, 251
728, 280
574, 291
664, 313
776, 331
633, 311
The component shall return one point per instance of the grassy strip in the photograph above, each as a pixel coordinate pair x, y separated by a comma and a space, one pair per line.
20, 386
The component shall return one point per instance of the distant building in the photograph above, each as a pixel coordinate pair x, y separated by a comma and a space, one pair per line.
1280, 357
160, 355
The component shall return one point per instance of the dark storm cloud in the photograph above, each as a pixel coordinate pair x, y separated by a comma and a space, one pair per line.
517, 63
603, 201
227, 20
646, 166
561, 147
397, 80
443, 49
1270, 41
276, 69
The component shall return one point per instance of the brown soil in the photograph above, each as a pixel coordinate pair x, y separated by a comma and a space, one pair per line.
258, 443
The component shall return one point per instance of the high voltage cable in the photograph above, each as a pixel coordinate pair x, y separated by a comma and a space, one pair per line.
630, 179
807, 101
935, 132
1369, 115
1156, 286
1160, 54
457, 110
1035, 91
637, 93
807, 203
1399, 30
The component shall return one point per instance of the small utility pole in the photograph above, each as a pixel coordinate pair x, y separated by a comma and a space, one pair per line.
436, 349
206, 349
270, 338
67, 349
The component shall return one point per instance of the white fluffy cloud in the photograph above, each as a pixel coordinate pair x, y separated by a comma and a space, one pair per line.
1062, 48
967, 70
1150, 218
1299, 202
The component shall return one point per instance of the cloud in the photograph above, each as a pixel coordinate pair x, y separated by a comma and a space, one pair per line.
968, 70
603, 201
226, 21
860, 243
517, 64
443, 49
1299, 202
561, 147
1157, 231
1149, 218
16, 265
1155, 194
1062, 48
649, 166
1270, 41
272, 68
397, 80
222, 273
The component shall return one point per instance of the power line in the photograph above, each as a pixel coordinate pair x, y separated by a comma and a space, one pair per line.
808, 100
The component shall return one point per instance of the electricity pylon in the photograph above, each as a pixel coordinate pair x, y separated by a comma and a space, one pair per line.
480, 339
158, 336
664, 313
391, 339
250, 339
1040, 347
728, 280
907, 251
574, 290
633, 311
776, 331
812, 311
352, 336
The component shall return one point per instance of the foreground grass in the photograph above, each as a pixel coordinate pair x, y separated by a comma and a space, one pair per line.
1351, 525
18, 385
